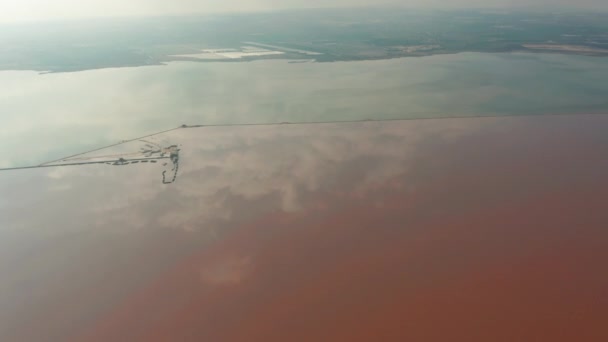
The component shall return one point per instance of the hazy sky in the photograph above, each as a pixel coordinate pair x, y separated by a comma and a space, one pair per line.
19, 10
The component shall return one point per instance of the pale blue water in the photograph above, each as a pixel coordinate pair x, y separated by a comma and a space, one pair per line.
45, 117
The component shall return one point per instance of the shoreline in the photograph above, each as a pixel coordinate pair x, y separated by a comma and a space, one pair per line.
313, 60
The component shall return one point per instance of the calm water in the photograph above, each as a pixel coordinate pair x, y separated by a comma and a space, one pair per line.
54, 115
489, 229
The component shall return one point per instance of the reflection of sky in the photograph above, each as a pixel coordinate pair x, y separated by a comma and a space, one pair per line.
50, 116
226, 174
